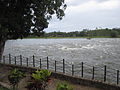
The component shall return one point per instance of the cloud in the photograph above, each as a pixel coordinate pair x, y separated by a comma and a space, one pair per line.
88, 14
93, 5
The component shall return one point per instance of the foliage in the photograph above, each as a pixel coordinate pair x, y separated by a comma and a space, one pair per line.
16, 22
15, 76
18, 18
115, 32
39, 80
41, 75
64, 86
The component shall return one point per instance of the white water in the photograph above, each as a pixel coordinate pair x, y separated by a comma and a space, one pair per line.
95, 51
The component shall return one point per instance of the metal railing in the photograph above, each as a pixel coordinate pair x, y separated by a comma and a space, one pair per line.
82, 69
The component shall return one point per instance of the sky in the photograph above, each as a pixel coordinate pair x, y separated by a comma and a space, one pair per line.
87, 14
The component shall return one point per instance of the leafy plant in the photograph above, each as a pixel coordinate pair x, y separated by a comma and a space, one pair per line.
64, 86
39, 80
15, 77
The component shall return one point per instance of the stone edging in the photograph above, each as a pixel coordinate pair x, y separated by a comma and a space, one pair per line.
75, 80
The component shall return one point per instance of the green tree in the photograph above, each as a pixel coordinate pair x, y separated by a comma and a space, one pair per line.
114, 34
20, 17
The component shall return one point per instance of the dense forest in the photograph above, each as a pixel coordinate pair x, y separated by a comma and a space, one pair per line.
113, 33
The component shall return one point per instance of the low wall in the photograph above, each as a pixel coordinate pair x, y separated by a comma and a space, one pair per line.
75, 80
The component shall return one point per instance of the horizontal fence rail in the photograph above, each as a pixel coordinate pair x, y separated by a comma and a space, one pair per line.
80, 69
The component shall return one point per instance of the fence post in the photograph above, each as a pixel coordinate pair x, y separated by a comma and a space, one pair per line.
1, 59
4, 59
47, 63
9, 59
15, 60
72, 70
105, 73
55, 65
117, 76
63, 66
93, 72
33, 61
82, 69
40, 64
27, 61
20, 60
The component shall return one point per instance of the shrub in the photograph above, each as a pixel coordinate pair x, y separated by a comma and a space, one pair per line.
64, 86
15, 76
39, 80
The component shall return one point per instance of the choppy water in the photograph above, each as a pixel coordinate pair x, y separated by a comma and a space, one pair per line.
95, 52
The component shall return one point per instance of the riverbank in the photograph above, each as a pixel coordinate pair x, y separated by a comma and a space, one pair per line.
67, 37
5, 70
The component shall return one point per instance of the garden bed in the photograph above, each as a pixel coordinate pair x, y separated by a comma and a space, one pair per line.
5, 70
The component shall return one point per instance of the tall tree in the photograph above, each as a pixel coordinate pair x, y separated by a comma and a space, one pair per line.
18, 16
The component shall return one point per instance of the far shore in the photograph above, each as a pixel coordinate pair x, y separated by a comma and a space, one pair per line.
67, 37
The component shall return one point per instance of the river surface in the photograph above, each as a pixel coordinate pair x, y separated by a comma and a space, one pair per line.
98, 51
94, 52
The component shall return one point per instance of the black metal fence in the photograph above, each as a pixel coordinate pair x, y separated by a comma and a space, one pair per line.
82, 69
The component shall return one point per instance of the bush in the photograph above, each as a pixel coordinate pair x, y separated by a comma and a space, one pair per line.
64, 86
15, 76
39, 80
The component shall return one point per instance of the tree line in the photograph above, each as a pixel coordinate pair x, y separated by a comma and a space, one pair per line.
113, 33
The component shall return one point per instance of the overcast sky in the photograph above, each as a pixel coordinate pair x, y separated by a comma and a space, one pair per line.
88, 14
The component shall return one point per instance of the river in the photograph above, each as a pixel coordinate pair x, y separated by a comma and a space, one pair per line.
96, 51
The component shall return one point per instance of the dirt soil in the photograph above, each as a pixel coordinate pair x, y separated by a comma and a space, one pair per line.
4, 72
